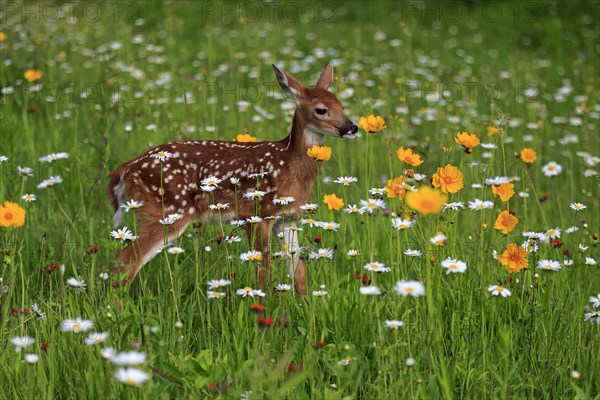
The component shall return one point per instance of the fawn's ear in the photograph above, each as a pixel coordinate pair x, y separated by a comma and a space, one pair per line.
288, 83
326, 78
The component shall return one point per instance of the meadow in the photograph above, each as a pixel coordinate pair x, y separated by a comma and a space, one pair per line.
463, 262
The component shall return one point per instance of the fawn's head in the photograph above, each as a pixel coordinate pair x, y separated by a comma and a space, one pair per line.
320, 110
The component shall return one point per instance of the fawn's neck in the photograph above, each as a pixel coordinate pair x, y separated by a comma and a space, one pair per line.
301, 137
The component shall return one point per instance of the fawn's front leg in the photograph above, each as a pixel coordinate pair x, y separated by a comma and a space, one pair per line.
260, 238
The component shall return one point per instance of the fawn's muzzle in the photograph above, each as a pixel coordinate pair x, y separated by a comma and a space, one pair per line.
348, 130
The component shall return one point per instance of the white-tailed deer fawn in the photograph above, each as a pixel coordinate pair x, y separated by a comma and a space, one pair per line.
168, 179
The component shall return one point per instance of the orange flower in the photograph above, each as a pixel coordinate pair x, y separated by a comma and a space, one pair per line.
528, 155
245, 138
467, 140
33, 75
2, 37
319, 153
11, 214
426, 200
395, 188
504, 191
449, 178
372, 123
514, 258
492, 131
506, 222
333, 202
408, 157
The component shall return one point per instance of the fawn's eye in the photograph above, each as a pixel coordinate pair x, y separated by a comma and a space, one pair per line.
321, 111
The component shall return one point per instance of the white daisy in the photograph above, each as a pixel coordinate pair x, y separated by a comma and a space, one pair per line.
131, 376
480, 205
53, 157
393, 323
549, 265
46, 183
499, 290
131, 204
252, 255
454, 266
175, 250
218, 283
413, 253
162, 155
439, 239
410, 288
254, 194
96, 338
551, 169
346, 180
215, 295
352, 208
22, 342
31, 358
309, 207
370, 290
400, 224
371, 205
283, 200
76, 325
321, 253
578, 206
77, 283
29, 198
128, 358
376, 266
457, 205
210, 181
24, 171
328, 226
123, 234
219, 206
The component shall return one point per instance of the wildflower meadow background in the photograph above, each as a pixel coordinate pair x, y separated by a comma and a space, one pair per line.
452, 248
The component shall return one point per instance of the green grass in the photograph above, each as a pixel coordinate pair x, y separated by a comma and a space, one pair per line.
465, 342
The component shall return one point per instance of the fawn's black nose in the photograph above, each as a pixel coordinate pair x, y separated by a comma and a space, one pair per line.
354, 128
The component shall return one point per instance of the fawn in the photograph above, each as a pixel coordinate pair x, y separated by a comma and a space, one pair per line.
168, 179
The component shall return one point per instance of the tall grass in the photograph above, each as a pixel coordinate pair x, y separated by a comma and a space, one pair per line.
163, 71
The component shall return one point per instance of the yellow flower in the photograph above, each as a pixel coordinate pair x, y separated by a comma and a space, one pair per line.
408, 157
319, 153
372, 123
333, 202
506, 222
528, 155
11, 214
492, 131
467, 140
514, 258
426, 200
245, 138
395, 188
33, 75
2, 37
504, 191
448, 178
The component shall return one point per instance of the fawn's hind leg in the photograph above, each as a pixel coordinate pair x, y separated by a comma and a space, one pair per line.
152, 237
